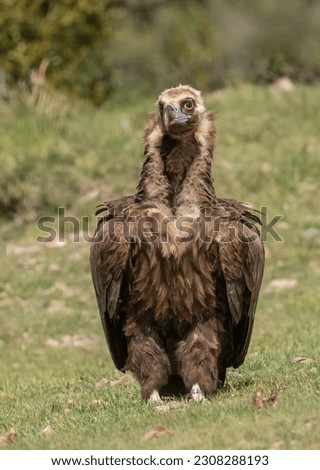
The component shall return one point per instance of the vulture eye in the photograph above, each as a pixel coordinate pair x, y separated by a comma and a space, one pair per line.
188, 104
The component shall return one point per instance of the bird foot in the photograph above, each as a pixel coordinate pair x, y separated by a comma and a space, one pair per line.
196, 393
154, 397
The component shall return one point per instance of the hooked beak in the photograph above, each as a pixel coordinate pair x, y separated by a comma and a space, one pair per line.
173, 115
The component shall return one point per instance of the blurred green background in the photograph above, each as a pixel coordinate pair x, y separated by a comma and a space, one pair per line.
65, 64
93, 49
78, 80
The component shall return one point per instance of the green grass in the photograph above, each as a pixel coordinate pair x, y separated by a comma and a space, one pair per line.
52, 350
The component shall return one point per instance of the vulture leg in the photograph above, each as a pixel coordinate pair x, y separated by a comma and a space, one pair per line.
148, 361
197, 356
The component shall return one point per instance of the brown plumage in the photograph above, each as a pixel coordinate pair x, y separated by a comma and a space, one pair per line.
176, 270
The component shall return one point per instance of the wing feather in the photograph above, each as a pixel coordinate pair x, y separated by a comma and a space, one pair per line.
109, 256
241, 255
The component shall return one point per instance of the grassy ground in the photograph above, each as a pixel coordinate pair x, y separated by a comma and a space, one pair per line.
52, 350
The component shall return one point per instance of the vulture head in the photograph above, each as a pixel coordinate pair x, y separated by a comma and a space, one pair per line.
180, 111
178, 144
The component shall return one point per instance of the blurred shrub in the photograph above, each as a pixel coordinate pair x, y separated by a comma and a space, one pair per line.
214, 43
62, 32
175, 44
96, 47
284, 38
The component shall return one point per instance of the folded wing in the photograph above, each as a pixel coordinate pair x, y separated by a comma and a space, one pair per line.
109, 269
241, 255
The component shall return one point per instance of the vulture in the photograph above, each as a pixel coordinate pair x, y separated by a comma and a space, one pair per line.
176, 269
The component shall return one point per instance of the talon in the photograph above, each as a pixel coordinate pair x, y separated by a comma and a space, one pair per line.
154, 397
196, 393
